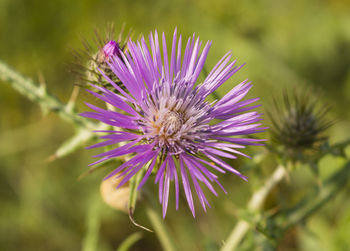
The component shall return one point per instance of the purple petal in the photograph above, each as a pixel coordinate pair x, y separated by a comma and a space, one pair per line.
186, 186
166, 191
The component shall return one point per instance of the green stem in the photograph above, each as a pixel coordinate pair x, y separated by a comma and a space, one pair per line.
254, 204
316, 199
39, 94
160, 230
93, 218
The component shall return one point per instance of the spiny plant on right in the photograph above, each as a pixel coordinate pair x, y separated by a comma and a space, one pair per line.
299, 127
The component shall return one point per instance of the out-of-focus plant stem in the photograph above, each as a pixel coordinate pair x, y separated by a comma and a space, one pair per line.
315, 199
254, 204
49, 102
128, 242
40, 95
160, 230
93, 218
81, 136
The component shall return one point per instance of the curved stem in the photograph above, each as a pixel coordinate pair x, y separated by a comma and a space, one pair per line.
254, 204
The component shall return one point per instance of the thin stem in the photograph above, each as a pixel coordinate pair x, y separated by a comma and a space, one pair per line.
93, 221
128, 242
254, 204
160, 230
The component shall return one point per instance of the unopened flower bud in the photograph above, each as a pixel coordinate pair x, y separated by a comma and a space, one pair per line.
115, 198
111, 49
95, 57
299, 125
99, 62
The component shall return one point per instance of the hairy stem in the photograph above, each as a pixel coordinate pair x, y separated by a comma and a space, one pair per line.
39, 94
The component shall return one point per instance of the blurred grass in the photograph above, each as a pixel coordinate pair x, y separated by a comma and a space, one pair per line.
286, 45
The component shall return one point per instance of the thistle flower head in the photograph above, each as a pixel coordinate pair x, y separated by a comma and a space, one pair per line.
298, 124
165, 121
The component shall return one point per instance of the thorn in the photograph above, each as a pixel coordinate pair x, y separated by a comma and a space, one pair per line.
131, 213
319, 183
288, 177
42, 90
273, 211
89, 171
51, 158
121, 33
73, 97
42, 81
84, 174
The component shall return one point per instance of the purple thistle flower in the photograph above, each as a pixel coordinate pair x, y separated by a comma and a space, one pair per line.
167, 124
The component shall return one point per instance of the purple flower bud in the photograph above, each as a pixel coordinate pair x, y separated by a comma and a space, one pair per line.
111, 49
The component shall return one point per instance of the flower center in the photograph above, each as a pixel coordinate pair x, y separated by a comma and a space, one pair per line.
176, 118
171, 123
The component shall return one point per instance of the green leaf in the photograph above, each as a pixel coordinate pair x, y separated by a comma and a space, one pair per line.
73, 143
134, 183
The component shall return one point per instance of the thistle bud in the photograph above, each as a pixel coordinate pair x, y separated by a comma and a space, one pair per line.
95, 56
99, 62
115, 198
111, 49
299, 125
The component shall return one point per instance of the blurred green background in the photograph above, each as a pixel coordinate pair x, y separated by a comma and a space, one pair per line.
302, 45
